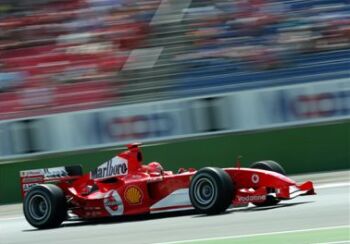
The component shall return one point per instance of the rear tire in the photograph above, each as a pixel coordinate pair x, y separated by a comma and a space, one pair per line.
44, 206
269, 166
211, 190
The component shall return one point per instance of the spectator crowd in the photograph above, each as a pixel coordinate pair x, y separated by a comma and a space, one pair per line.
65, 55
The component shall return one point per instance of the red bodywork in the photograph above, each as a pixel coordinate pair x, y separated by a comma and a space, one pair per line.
122, 186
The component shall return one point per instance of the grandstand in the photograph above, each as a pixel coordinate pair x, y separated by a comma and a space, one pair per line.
58, 56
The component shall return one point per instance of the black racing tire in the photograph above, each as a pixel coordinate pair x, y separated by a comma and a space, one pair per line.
269, 166
45, 206
211, 190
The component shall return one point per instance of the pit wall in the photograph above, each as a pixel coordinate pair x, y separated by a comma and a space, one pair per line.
311, 148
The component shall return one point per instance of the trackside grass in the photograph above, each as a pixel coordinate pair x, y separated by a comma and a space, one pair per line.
339, 235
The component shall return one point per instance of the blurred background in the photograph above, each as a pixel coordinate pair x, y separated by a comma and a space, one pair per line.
70, 55
262, 78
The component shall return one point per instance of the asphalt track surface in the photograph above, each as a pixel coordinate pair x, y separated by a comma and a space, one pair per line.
329, 208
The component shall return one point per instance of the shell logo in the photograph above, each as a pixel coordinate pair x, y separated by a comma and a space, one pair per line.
133, 195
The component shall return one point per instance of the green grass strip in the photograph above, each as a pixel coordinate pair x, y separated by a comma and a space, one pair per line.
332, 235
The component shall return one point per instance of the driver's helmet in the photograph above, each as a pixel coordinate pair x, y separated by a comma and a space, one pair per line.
155, 167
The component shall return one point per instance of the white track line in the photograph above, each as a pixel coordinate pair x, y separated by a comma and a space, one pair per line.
254, 235
12, 218
332, 185
333, 242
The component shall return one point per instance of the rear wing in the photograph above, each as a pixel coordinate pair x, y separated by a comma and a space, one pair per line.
30, 178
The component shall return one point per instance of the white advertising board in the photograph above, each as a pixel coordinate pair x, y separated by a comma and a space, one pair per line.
174, 119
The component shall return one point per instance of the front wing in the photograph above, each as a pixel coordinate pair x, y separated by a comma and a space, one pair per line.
245, 196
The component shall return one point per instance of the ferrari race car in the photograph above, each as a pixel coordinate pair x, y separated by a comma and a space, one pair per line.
123, 186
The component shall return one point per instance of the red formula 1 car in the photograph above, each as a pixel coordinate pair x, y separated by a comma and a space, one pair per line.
123, 186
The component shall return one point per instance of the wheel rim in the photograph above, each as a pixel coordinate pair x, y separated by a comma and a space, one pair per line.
204, 191
38, 207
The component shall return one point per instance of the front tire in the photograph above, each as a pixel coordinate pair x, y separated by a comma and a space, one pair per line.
269, 166
44, 206
211, 190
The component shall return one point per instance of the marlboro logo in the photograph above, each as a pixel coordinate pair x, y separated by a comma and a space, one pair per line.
115, 166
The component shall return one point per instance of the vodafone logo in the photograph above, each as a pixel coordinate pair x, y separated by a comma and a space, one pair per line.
113, 203
255, 178
259, 198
